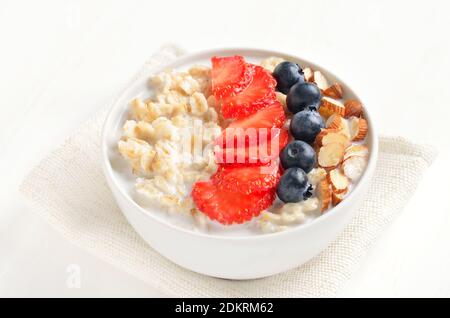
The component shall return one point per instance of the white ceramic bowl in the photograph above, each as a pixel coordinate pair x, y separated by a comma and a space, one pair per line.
230, 257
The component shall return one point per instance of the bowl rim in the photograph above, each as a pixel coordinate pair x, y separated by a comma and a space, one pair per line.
365, 178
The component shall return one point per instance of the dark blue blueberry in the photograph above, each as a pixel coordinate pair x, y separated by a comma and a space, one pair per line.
299, 154
305, 125
287, 74
293, 186
303, 96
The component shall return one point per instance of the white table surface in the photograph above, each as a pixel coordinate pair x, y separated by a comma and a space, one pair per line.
61, 60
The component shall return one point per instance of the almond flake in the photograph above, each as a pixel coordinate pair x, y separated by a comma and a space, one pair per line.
339, 182
324, 194
358, 128
331, 155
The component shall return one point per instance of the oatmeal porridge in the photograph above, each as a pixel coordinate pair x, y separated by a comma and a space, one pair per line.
243, 146
168, 140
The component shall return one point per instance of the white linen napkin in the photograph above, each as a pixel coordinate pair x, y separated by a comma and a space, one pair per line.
68, 190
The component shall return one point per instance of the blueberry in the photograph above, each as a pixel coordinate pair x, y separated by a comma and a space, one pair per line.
303, 96
298, 154
305, 125
287, 74
293, 186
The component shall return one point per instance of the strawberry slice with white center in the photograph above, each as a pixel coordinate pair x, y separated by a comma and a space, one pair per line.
229, 75
269, 117
247, 179
272, 116
259, 151
257, 95
228, 207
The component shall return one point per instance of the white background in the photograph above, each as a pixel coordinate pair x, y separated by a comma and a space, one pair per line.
61, 60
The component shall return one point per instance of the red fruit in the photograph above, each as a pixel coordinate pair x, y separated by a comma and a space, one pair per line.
259, 94
258, 152
272, 116
229, 75
269, 117
229, 207
247, 179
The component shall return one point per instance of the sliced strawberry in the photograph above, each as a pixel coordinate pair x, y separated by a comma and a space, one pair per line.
259, 94
228, 207
272, 116
247, 179
269, 117
229, 75
260, 151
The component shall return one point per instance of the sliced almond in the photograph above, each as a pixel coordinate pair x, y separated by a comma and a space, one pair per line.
338, 122
324, 194
358, 128
323, 133
336, 137
337, 198
335, 121
334, 91
362, 130
356, 150
345, 129
325, 112
330, 155
320, 81
309, 74
328, 136
354, 166
339, 181
353, 108
332, 106
316, 175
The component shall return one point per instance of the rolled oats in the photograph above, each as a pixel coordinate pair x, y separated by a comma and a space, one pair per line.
198, 104
271, 62
139, 154
287, 215
153, 139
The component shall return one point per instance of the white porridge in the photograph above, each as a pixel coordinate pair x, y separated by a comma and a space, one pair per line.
169, 142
